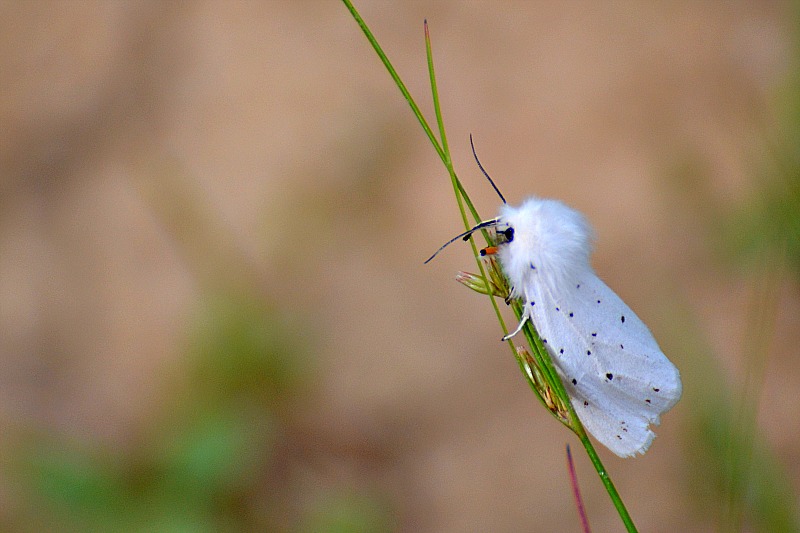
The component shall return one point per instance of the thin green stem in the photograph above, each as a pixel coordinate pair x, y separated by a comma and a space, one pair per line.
396, 78
607, 483
761, 320
443, 155
435, 92
460, 194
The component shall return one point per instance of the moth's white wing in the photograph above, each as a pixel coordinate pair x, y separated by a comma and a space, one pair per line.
616, 375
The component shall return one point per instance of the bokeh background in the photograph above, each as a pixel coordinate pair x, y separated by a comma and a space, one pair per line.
213, 215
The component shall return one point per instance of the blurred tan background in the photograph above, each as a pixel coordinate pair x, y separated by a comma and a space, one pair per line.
213, 310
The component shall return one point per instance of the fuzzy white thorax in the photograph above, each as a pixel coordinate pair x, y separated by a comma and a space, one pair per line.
551, 241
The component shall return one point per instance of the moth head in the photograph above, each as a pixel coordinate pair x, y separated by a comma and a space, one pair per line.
503, 236
545, 235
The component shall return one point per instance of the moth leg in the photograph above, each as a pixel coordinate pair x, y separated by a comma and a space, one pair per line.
525, 318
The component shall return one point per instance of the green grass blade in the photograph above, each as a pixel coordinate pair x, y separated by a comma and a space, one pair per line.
458, 189
397, 80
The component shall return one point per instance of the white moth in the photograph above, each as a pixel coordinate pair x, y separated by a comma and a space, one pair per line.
615, 374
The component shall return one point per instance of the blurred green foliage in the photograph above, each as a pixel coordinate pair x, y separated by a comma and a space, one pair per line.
769, 225
733, 470
212, 461
735, 475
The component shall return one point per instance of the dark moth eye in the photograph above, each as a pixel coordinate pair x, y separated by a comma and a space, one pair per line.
508, 234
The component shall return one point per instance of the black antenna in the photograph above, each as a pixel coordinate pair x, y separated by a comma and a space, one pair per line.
465, 235
484, 172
